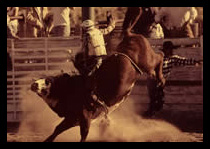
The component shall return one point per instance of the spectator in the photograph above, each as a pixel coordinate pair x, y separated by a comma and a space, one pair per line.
61, 21
176, 21
10, 31
35, 20
156, 93
22, 22
156, 31
12, 12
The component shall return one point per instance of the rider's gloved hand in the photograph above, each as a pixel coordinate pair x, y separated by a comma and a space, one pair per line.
110, 18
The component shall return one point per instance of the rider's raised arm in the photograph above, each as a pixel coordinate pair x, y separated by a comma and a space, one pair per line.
110, 27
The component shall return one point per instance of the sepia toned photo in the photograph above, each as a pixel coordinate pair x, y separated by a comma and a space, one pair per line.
104, 74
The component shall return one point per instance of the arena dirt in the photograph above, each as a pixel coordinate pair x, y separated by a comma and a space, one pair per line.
125, 125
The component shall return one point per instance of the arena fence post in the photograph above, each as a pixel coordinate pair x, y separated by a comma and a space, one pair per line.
13, 80
88, 13
46, 55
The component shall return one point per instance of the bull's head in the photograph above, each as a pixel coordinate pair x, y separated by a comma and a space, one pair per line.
42, 87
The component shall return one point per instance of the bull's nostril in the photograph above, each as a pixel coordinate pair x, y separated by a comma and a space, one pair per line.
44, 92
34, 86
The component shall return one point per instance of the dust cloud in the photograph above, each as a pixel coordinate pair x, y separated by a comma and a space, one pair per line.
124, 125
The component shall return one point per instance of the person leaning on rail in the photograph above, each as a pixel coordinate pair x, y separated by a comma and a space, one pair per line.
156, 93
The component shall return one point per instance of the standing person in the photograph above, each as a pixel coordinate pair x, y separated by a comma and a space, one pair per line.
156, 93
12, 12
176, 21
10, 30
35, 20
93, 46
61, 21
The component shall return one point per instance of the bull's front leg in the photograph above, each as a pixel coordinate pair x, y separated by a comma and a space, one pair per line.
64, 125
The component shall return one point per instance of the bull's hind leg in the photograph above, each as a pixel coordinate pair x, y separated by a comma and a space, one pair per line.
64, 125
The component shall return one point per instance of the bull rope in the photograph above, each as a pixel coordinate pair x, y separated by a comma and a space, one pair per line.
132, 62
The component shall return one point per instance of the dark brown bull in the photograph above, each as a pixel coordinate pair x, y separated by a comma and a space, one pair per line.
111, 83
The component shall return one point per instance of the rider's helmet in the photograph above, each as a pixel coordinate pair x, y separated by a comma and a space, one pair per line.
88, 24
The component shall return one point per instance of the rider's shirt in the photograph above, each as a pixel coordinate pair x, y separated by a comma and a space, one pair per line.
96, 43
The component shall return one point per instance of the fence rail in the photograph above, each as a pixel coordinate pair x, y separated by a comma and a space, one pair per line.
35, 57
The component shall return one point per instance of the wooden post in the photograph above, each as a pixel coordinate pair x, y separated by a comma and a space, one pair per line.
88, 13
13, 80
46, 55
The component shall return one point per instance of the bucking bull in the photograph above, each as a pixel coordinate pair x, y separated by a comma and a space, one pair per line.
80, 100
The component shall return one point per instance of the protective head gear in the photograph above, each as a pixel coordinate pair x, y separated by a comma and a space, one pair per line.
88, 24
169, 45
168, 48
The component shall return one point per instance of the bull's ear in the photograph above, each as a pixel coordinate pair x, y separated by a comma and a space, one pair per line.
49, 80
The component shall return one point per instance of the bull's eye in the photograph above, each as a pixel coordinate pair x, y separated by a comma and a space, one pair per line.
47, 82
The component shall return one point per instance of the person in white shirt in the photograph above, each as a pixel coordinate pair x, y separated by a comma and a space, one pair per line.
61, 21
35, 21
13, 12
176, 21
